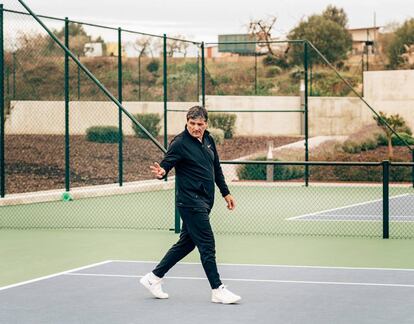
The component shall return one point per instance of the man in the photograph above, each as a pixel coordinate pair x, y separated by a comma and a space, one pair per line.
194, 155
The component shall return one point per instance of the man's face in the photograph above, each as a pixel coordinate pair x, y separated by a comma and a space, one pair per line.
196, 127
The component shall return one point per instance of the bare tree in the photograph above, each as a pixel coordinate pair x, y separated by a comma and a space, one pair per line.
175, 45
143, 46
262, 30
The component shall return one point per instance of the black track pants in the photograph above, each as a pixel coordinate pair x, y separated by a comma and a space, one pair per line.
196, 232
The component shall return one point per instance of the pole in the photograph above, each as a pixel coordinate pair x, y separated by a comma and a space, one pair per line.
165, 92
14, 75
198, 76
255, 73
305, 54
412, 171
2, 163
67, 140
120, 139
203, 77
385, 199
139, 77
79, 80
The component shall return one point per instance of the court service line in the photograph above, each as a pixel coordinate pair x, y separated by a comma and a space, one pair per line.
252, 280
53, 275
274, 265
344, 207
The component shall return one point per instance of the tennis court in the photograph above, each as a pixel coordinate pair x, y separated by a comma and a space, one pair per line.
108, 292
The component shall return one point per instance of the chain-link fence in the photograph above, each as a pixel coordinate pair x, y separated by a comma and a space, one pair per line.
66, 128
59, 136
271, 199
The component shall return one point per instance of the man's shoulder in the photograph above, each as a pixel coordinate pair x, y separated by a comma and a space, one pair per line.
177, 139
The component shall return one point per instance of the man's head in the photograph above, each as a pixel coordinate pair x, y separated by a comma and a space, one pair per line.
197, 118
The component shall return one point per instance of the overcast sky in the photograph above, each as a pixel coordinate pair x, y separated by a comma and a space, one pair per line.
204, 20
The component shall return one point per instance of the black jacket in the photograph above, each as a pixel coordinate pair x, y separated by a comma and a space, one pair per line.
197, 168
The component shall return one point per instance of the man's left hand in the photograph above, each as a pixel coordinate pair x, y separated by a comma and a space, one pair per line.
231, 202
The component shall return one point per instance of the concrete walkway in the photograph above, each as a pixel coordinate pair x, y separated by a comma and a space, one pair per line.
229, 170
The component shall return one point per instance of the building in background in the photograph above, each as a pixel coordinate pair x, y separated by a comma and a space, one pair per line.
364, 39
93, 49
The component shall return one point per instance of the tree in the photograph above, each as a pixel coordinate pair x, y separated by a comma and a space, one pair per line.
143, 46
77, 38
329, 37
337, 15
261, 29
176, 45
403, 37
396, 122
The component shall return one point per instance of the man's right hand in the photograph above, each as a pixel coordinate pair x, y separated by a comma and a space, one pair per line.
157, 170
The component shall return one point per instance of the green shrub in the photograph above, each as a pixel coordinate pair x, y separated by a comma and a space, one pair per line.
271, 60
153, 66
369, 144
371, 173
191, 68
382, 139
223, 121
150, 121
352, 147
397, 142
258, 171
102, 134
217, 134
273, 71
405, 129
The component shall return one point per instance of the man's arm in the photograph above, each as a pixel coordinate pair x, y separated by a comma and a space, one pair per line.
221, 182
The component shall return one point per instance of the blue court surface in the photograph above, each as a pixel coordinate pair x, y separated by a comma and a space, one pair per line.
109, 292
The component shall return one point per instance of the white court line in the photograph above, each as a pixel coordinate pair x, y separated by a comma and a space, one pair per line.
274, 265
70, 272
53, 275
322, 217
253, 280
344, 207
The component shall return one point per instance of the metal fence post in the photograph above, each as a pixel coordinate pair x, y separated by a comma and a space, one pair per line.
412, 168
120, 138
385, 199
165, 91
305, 65
14, 75
198, 76
79, 80
203, 77
2, 119
255, 73
139, 77
67, 141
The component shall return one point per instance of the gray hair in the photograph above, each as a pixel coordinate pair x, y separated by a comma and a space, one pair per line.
197, 112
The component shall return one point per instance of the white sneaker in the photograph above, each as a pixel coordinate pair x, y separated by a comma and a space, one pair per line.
224, 296
153, 284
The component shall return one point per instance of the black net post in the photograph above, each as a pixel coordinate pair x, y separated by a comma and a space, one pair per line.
305, 66
385, 199
203, 76
120, 139
67, 142
2, 119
